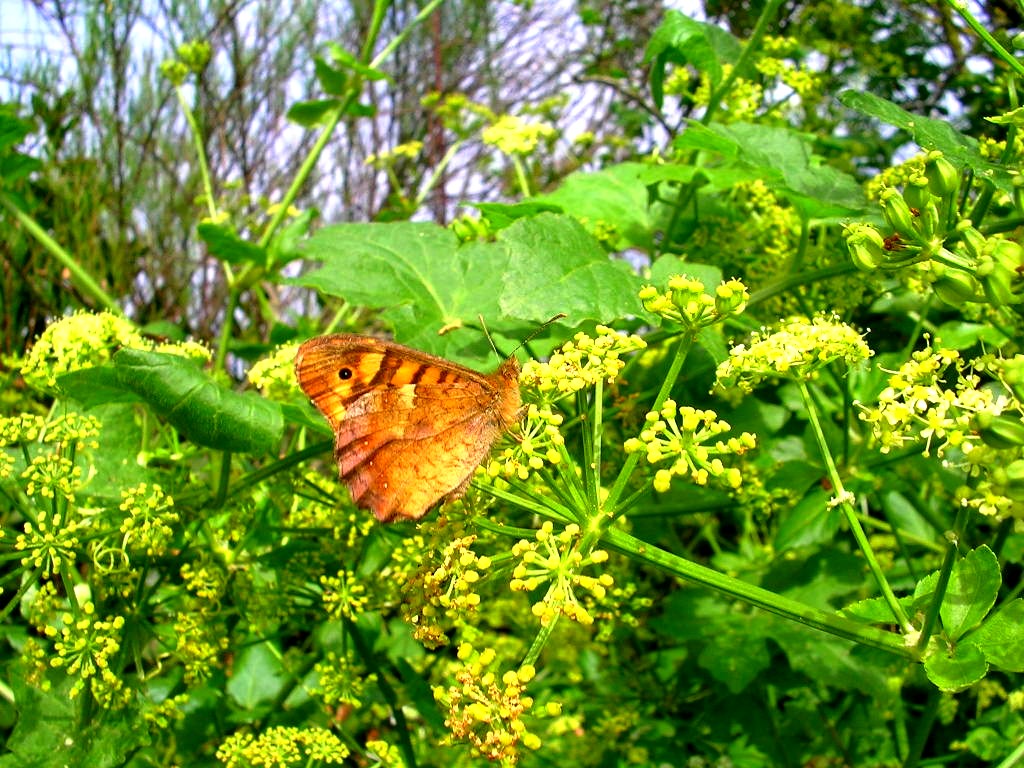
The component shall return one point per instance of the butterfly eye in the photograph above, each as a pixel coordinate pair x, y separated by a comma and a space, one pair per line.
345, 373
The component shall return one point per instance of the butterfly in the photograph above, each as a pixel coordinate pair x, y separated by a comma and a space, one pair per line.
409, 428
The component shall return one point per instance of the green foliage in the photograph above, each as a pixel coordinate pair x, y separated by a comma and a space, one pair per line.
764, 506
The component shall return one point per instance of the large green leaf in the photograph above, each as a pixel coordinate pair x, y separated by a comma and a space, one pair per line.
419, 275
556, 266
208, 413
929, 133
614, 199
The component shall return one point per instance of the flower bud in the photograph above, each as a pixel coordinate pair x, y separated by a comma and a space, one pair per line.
943, 177
897, 213
916, 193
866, 245
1004, 432
956, 286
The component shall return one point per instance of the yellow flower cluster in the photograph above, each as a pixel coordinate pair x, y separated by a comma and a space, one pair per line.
579, 363
797, 350
541, 444
443, 584
513, 135
149, 518
274, 375
686, 302
49, 544
982, 426
200, 643
410, 150
486, 711
84, 649
555, 557
742, 102
338, 684
683, 436
343, 595
282, 746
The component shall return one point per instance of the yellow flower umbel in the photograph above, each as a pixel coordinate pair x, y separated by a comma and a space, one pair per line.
487, 712
274, 376
87, 340
515, 136
84, 648
578, 364
685, 301
556, 558
797, 350
283, 746
937, 401
443, 584
343, 595
683, 436
339, 684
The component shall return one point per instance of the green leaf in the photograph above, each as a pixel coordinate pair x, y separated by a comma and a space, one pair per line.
736, 655
953, 671
902, 514
681, 40
258, 677
501, 215
808, 522
820, 190
95, 386
13, 130
420, 275
209, 414
350, 61
929, 133
973, 588
1001, 637
50, 735
332, 80
309, 114
225, 244
614, 198
556, 266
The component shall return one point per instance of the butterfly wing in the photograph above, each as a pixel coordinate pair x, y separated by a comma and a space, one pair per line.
410, 428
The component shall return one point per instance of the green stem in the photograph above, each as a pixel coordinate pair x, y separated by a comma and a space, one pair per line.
768, 14
931, 616
334, 116
540, 641
197, 138
976, 26
521, 178
780, 605
851, 517
82, 279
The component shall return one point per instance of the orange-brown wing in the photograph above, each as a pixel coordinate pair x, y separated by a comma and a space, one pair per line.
410, 428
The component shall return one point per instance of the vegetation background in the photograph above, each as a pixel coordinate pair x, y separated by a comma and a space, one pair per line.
812, 209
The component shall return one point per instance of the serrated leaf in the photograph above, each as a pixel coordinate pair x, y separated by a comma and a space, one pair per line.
556, 266
208, 413
421, 277
1001, 637
225, 244
953, 671
501, 215
972, 591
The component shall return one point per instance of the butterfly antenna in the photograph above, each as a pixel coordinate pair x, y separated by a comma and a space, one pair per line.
525, 341
487, 333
